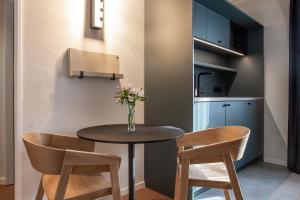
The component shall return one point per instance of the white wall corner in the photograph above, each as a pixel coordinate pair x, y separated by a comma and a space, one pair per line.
275, 161
18, 101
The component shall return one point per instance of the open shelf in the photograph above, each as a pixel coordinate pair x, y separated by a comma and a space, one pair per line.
208, 65
208, 46
82, 74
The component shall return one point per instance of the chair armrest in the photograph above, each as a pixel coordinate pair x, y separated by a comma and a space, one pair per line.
69, 142
213, 153
80, 158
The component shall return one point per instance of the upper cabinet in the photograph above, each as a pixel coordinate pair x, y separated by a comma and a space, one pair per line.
218, 29
214, 28
199, 21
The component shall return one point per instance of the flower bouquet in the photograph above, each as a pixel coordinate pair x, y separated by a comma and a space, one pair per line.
130, 96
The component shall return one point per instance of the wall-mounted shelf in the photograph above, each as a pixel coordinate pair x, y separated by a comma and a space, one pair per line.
82, 74
91, 64
209, 46
203, 64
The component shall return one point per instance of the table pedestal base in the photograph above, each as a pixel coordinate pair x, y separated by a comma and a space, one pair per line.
131, 172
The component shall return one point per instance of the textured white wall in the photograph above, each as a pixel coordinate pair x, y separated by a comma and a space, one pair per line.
274, 15
53, 102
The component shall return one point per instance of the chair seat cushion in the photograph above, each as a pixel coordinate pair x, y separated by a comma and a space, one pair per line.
203, 175
84, 187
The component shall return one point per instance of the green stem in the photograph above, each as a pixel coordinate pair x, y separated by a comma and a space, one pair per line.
131, 117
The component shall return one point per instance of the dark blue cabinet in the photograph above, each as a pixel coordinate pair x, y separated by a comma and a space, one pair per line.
245, 113
199, 21
218, 29
208, 115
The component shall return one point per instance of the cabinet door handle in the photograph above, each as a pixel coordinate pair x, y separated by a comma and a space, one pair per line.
225, 105
249, 103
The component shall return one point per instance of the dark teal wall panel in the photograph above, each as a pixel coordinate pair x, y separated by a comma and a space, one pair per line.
168, 84
249, 80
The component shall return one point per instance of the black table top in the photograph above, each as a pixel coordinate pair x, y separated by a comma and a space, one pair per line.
118, 133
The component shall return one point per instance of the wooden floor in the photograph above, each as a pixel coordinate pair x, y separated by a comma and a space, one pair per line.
7, 192
147, 194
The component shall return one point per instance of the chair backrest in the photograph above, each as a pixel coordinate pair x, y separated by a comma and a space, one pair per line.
43, 158
235, 136
47, 151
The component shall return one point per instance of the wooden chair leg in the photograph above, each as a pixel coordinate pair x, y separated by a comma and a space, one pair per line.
227, 194
63, 183
177, 183
114, 177
184, 180
233, 177
40, 192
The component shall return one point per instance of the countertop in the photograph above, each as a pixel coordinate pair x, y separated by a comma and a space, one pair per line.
200, 99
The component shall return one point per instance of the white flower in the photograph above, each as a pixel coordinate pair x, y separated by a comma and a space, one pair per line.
128, 94
125, 85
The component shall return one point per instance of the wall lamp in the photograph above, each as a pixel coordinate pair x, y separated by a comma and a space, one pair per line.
97, 14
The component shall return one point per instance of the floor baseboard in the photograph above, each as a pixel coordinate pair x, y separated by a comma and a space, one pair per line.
2, 181
275, 161
138, 185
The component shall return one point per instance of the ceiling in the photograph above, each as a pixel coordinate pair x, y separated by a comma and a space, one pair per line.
266, 12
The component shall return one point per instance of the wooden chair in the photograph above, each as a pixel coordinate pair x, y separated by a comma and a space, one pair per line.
205, 159
70, 169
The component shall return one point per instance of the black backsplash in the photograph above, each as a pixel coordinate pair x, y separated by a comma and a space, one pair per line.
213, 82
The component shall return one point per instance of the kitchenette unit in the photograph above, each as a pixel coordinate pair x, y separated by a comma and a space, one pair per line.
204, 68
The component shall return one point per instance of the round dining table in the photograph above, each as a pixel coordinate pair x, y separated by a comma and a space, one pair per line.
118, 134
